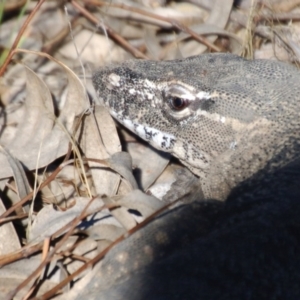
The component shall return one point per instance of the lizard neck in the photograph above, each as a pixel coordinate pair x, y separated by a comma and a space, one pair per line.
252, 165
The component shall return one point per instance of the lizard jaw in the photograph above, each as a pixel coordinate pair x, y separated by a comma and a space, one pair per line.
165, 142
158, 139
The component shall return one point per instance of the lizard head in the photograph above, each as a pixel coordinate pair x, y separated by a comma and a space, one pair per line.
223, 116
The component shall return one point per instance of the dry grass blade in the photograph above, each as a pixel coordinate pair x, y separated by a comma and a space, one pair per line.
218, 17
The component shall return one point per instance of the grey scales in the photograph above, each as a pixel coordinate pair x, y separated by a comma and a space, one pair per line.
235, 123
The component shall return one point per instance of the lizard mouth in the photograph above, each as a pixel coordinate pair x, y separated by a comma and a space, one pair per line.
158, 139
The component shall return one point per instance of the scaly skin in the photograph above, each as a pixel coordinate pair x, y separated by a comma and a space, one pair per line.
236, 124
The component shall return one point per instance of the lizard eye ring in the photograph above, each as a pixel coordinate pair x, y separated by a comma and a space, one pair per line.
178, 103
177, 96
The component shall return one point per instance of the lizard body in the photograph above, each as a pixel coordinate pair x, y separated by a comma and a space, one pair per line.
235, 123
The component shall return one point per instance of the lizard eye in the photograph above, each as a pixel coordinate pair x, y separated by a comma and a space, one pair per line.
177, 97
178, 103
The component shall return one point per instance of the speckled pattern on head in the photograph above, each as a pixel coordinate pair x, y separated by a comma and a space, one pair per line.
239, 119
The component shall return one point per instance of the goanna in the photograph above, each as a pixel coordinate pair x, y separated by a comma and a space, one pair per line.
236, 124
